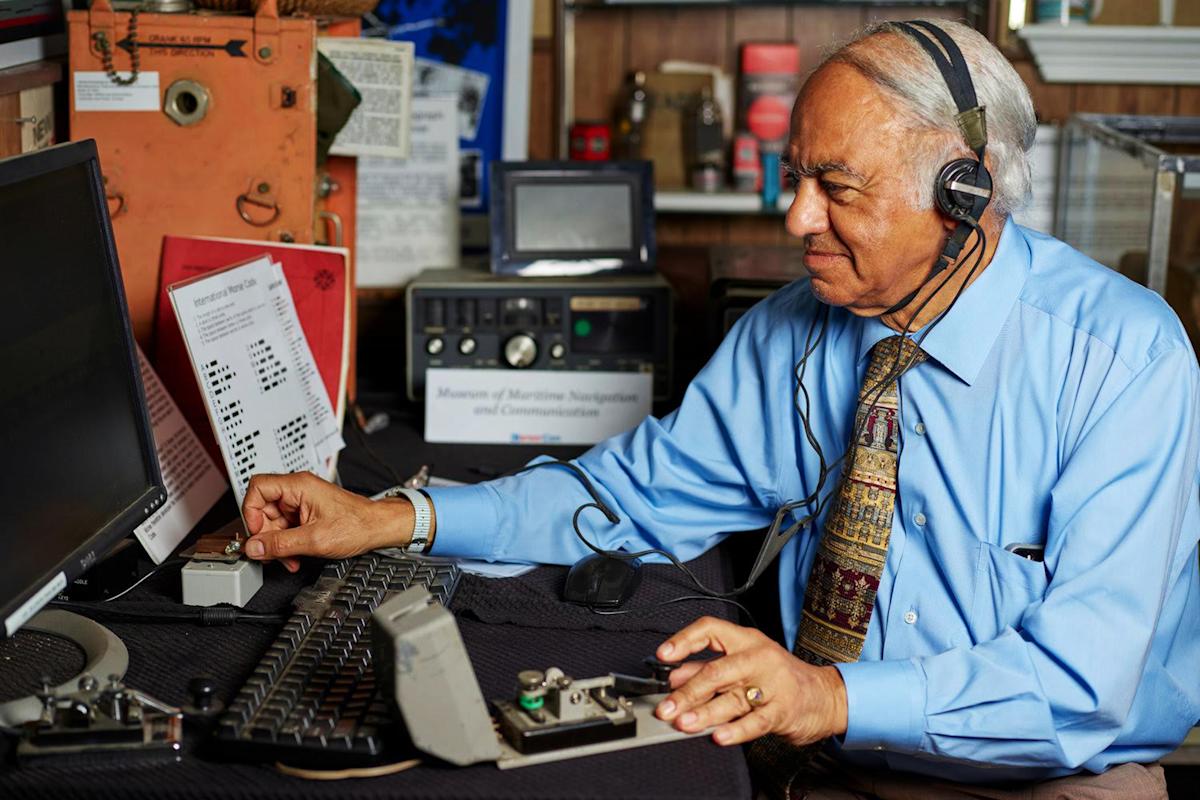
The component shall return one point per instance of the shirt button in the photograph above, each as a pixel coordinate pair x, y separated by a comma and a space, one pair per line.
910, 617
919, 518
919, 428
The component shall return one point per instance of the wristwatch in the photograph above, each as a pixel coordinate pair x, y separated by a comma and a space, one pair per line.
423, 512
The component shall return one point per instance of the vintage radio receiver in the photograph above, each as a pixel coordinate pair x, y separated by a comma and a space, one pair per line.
465, 319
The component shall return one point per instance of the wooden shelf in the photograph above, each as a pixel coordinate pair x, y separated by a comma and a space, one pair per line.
28, 76
1114, 53
683, 201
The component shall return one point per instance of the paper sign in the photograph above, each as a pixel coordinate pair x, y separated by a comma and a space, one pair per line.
382, 71
500, 406
408, 210
190, 477
94, 91
37, 118
261, 387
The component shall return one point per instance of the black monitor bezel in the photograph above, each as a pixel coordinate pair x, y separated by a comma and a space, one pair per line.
76, 562
506, 176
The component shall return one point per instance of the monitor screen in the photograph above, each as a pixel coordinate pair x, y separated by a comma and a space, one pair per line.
576, 217
80, 470
560, 218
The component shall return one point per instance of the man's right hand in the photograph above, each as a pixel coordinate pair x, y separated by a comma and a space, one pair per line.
301, 515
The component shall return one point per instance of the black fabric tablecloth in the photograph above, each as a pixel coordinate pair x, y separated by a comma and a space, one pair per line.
508, 625
164, 657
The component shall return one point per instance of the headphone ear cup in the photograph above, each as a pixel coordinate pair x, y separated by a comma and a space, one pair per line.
958, 204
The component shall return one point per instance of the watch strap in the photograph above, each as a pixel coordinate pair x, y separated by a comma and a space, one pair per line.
422, 516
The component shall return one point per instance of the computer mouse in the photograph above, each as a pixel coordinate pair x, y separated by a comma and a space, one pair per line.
602, 581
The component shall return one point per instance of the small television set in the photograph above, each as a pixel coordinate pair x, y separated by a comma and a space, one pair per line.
570, 218
80, 471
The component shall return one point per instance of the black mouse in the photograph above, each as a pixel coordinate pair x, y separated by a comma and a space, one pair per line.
602, 581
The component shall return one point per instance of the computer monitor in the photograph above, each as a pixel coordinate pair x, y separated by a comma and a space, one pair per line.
572, 217
80, 470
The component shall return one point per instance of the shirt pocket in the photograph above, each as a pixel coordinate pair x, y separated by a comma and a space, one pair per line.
1005, 586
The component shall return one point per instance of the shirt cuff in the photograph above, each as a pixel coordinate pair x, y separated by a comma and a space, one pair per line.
886, 701
465, 519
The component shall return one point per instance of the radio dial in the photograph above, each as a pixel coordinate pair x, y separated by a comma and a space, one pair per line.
557, 351
520, 351
466, 346
434, 346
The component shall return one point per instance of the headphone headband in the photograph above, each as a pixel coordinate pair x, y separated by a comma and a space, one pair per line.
963, 187
972, 120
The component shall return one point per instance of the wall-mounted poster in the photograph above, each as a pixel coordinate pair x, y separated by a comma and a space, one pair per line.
478, 51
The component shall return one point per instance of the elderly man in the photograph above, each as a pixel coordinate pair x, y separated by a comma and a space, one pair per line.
1001, 597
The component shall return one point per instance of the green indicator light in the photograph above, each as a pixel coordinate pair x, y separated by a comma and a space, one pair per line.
583, 327
532, 703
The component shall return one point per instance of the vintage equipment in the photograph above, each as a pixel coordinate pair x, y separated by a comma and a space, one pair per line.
206, 125
464, 319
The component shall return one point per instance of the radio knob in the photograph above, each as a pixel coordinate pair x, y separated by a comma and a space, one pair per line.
520, 351
557, 350
435, 346
466, 346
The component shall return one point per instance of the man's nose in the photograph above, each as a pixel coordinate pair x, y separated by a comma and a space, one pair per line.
809, 212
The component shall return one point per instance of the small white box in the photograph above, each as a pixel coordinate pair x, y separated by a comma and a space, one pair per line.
208, 583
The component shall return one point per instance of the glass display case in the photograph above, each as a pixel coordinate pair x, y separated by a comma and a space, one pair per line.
1128, 195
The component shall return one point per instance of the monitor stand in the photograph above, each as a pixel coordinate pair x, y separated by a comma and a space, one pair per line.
105, 655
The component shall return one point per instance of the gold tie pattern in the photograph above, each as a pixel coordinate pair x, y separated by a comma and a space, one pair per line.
845, 574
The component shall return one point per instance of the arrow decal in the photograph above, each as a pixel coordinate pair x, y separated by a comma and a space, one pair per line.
233, 47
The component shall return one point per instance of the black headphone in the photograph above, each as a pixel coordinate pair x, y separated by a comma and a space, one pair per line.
963, 187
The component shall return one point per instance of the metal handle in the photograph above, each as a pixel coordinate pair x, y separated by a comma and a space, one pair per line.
120, 198
243, 199
335, 222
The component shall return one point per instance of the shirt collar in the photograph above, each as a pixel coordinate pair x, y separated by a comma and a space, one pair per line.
964, 337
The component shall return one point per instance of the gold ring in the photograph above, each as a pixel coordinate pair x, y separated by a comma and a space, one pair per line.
755, 696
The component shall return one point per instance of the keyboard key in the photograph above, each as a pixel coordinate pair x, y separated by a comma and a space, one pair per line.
313, 696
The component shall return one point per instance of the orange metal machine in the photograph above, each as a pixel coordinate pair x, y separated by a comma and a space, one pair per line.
219, 139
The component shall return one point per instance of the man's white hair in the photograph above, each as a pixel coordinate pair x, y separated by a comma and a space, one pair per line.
905, 72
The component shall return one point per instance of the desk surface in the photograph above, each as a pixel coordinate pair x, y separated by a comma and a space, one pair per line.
507, 626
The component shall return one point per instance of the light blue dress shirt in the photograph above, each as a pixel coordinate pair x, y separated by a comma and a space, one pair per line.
1058, 407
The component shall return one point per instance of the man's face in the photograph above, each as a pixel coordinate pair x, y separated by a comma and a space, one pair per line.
867, 248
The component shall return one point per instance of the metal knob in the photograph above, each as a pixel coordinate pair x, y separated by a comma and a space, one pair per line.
557, 350
530, 679
435, 346
466, 346
203, 689
520, 351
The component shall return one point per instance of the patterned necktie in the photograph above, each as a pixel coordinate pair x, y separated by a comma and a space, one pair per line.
850, 557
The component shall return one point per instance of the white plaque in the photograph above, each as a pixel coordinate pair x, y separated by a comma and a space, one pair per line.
504, 406
95, 91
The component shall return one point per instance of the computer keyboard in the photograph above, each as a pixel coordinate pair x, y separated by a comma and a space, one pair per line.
312, 700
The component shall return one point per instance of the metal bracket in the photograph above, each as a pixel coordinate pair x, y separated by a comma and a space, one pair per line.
266, 32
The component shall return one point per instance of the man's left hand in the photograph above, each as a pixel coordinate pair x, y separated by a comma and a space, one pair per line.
799, 702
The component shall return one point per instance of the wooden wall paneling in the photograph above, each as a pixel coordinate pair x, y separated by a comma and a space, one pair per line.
676, 230
919, 12
767, 229
819, 30
543, 140
1187, 101
601, 61
1053, 102
757, 24
692, 34
10, 129
1105, 98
